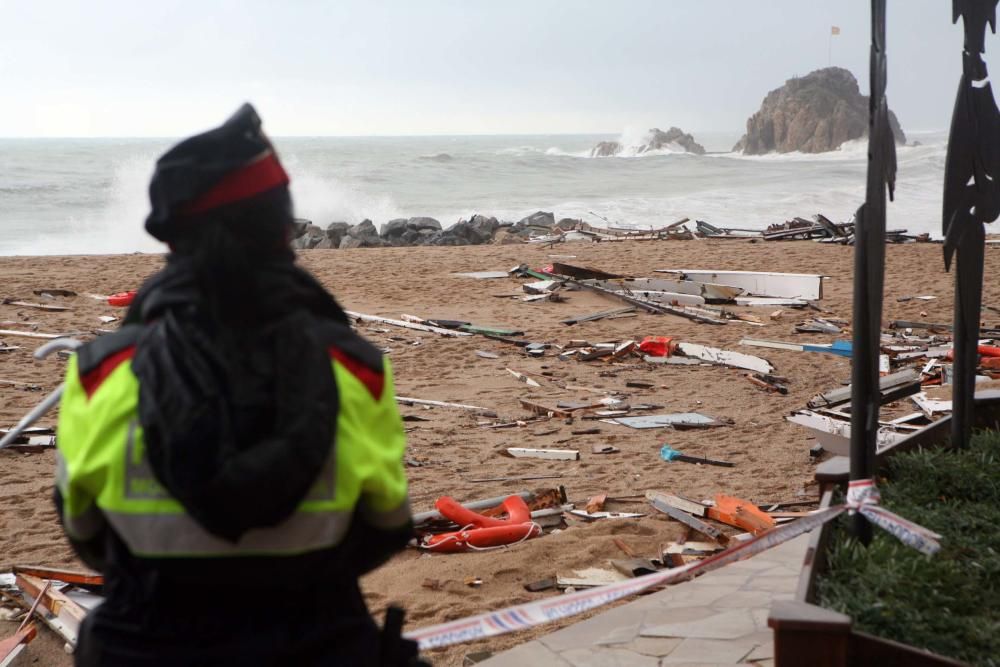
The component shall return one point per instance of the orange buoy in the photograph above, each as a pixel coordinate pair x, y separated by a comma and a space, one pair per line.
481, 538
486, 532
121, 299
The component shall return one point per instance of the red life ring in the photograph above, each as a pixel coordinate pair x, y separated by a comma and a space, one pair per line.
121, 299
486, 532
481, 538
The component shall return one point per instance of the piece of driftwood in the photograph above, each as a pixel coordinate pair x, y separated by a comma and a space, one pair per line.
406, 400
406, 325
690, 521
550, 454
36, 306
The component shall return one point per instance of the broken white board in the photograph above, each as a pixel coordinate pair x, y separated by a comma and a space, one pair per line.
679, 361
726, 357
931, 406
584, 514
667, 297
483, 275
552, 454
694, 419
589, 578
770, 302
706, 290
834, 435
760, 283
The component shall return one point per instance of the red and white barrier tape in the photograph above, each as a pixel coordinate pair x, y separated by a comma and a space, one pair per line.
530, 614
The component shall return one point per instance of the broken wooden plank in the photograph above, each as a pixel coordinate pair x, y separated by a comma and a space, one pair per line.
13, 646
32, 334
681, 503
760, 283
545, 410
770, 302
406, 400
740, 513
835, 434
725, 357
65, 615
483, 275
582, 272
674, 420
36, 306
690, 521
707, 291
549, 454
523, 378
406, 325
673, 298
907, 379
597, 316
69, 576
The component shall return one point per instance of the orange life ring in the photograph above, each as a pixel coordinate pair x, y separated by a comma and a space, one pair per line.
517, 512
121, 298
481, 538
486, 532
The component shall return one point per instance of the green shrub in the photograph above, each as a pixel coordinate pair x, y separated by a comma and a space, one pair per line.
948, 603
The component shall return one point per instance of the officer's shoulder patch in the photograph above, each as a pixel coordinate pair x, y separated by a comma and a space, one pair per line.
97, 359
359, 357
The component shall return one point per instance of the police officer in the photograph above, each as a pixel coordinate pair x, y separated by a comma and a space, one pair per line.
231, 458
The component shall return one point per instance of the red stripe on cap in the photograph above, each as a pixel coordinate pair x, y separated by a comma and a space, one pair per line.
92, 380
259, 176
373, 380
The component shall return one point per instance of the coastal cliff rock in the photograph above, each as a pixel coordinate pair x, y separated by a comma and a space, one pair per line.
811, 114
655, 139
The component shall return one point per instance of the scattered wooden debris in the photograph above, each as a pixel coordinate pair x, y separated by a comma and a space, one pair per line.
523, 378
406, 324
667, 453
37, 306
678, 420
550, 454
597, 316
688, 520
725, 357
544, 410
760, 283
406, 400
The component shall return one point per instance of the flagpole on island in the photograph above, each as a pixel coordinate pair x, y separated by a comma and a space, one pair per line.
834, 30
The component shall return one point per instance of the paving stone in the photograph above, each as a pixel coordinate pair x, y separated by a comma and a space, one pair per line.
708, 651
725, 625
724, 577
656, 617
530, 653
620, 620
777, 584
765, 646
607, 657
748, 600
763, 663
656, 646
760, 618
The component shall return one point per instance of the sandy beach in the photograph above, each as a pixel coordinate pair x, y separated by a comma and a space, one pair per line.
453, 448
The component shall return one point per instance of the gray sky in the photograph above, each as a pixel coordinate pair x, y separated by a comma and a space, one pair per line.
359, 67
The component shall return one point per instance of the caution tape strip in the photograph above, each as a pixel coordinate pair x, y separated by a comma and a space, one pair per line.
530, 614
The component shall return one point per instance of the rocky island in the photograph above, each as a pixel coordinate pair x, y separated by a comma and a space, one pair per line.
811, 114
656, 139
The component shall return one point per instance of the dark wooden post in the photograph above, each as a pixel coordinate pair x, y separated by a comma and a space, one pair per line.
971, 197
869, 269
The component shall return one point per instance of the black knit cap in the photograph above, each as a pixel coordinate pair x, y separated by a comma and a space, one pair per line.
230, 164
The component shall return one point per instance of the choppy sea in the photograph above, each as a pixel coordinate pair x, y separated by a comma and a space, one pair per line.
88, 196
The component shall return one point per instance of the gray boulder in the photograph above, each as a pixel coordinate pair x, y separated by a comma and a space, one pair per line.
539, 219
335, 231
393, 228
420, 224
812, 114
299, 226
310, 238
365, 233
567, 224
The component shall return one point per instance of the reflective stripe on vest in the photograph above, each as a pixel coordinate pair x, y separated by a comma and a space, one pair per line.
178, 535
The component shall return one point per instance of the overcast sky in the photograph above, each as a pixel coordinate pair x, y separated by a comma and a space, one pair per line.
401, 67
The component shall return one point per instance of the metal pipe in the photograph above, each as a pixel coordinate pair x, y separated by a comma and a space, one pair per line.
49, 401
